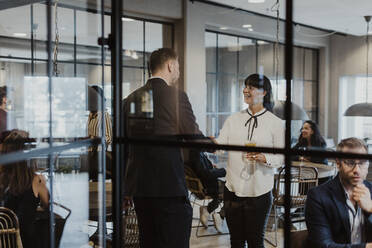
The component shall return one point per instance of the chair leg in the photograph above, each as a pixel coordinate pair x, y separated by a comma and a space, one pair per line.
276, 226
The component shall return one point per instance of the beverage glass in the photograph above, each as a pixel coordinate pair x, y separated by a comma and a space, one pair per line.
249, 166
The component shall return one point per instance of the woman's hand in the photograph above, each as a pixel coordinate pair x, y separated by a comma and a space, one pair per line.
258, 157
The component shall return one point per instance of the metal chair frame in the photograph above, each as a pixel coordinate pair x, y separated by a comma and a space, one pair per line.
302, 179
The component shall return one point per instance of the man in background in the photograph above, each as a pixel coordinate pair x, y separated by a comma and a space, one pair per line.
339, 212
154, 175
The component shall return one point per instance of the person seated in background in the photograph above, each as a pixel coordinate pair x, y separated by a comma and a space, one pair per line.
3, 111
94, 127
208, 175
21, 189
310, 138
339, 212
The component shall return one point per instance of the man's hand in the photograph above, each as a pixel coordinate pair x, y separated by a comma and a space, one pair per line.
127, 203
369, 245
362, 196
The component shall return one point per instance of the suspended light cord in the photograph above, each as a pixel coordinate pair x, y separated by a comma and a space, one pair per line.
56, 41
367, 41
275, 8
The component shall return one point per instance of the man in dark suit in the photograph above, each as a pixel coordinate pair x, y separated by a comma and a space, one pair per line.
154, 175
339, 212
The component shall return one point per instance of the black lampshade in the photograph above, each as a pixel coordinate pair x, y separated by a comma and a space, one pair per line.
297, 112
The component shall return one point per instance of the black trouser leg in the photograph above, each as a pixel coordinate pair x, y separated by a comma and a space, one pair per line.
258, 214
247, 218
234, 215
164, 222
213, 205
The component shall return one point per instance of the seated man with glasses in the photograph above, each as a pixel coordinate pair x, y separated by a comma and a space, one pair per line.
339, 212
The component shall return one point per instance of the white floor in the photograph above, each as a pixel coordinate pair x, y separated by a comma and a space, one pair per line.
71, 190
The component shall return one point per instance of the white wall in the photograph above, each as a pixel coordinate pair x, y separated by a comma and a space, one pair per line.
348, 57
198, 16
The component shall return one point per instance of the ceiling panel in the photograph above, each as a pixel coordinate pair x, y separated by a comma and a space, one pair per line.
344, 16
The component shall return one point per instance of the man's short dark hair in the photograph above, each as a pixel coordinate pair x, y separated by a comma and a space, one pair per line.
159, 57
352, 143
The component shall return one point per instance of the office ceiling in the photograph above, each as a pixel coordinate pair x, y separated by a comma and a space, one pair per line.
6, 4
344, 16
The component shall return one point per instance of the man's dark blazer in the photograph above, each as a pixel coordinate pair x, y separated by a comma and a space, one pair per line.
327, 217
157, 171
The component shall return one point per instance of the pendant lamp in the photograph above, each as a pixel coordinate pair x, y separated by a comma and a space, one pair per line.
362, 109
279, 106
297, 112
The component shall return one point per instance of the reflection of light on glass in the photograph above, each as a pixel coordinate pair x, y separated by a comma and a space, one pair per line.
68, 107
126, 19
134, 55
19, 34
127, 53
247, 26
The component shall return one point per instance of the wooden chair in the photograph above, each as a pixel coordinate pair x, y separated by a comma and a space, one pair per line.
197, 189
302, 179
9, 229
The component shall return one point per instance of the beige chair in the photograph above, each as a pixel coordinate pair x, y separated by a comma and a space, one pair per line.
302, 179
9, 229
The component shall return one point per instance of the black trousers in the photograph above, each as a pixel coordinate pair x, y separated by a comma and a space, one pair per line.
247, 218
164, 222
214, 188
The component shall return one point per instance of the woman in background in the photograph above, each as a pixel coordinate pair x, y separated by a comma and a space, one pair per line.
310, 138
247, 196
21, 189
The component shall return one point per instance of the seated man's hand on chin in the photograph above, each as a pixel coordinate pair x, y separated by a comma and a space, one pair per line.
362, 196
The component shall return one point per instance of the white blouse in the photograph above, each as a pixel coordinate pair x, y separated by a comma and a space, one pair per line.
268, 132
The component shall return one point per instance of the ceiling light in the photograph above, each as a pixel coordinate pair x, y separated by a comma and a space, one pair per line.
250, 29
261, 42
224, 28
126, 19
256, 1
19, 34
247, 26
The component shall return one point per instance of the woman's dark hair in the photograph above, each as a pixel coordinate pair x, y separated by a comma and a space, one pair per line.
261, 82
15, 177
316, 138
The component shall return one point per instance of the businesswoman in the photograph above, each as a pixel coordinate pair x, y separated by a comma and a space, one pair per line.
310, 138
250, 176
21, 189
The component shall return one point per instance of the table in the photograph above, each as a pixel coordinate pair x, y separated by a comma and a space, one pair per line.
314, 165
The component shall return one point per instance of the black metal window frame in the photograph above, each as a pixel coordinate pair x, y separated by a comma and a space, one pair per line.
75, 143
255, 40
120, 139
